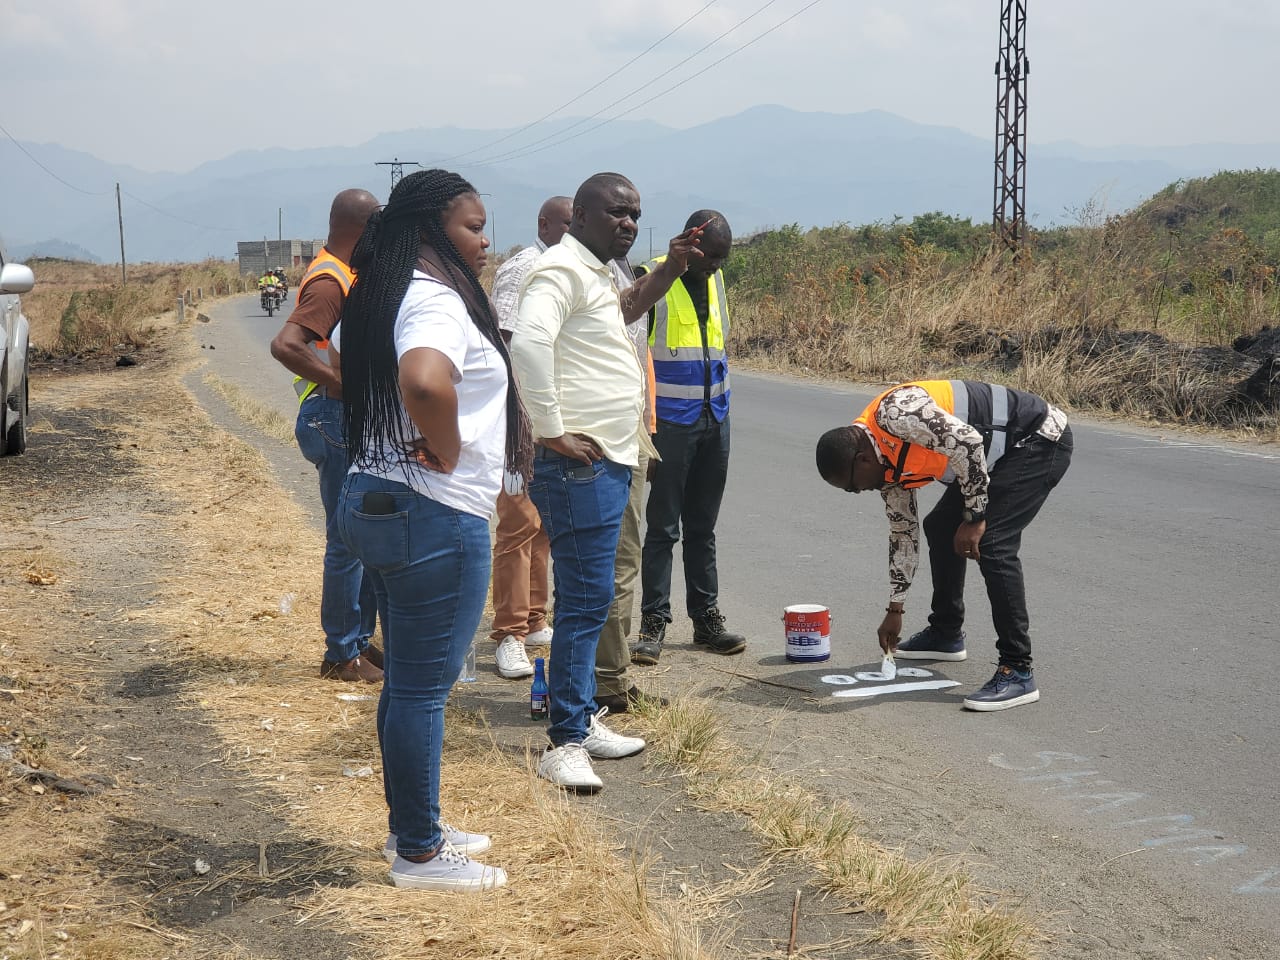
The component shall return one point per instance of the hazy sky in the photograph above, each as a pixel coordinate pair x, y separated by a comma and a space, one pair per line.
165, 86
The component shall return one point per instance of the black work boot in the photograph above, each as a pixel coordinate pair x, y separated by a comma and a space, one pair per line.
709, 629
648, 646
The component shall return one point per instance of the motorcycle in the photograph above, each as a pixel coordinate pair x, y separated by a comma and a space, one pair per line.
272, 297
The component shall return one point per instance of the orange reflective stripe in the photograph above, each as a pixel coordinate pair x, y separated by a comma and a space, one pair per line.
326, 264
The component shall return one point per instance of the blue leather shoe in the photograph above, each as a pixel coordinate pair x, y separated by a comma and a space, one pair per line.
1008, 688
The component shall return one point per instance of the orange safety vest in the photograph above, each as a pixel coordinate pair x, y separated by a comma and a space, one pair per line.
325, 264
909, 464
1002, 415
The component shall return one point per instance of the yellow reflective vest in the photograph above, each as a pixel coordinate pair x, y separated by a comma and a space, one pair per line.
689, 362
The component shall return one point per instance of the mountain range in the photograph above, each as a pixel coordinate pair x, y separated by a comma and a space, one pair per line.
766, 166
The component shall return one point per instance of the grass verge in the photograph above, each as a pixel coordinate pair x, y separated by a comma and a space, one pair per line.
932, 907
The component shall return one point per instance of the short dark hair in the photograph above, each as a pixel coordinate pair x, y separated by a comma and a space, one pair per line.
836, 450
597, 184
718, 228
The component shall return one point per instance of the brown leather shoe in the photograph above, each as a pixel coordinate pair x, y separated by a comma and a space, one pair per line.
353, 671
374, 655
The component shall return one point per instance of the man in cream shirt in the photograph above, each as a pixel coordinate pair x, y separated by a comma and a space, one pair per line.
584, 388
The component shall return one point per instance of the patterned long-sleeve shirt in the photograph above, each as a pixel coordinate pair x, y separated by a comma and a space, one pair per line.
507, 281
912, 415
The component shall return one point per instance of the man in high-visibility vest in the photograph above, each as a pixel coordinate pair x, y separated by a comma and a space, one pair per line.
687, 331
348, 609
1000, 451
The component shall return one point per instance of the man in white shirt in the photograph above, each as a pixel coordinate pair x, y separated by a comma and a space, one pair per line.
583, 387
521, 553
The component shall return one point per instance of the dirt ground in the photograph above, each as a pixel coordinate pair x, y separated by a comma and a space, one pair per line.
127, 628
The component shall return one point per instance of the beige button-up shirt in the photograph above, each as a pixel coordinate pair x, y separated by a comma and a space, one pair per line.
575, 366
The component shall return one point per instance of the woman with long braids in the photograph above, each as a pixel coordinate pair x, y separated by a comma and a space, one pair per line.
433, 419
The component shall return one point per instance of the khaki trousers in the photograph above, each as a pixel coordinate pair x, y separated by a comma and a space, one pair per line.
612, 654
521, 554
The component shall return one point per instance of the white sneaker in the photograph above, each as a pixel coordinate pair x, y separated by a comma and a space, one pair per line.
569, 767
465, 843
447, 870
539, 638
603, 744
513, 662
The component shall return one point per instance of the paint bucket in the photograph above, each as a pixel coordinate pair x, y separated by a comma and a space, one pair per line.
808, 630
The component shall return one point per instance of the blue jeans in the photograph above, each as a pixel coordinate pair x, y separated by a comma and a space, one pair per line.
347, 607
581, 508
430, 569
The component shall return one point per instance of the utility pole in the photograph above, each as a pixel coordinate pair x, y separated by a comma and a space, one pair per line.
651, 243
280, 233
120, 219
1009, 220
397, 168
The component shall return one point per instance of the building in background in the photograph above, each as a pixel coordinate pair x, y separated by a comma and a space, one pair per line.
256, 255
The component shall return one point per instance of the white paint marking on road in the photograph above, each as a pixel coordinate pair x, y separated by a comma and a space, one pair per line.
844, 680
1178, 828
897, 688
1259, 883
1189, 445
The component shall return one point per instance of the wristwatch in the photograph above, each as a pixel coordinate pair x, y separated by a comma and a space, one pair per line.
973, 516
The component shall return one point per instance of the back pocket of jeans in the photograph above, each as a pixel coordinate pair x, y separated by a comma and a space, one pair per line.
382, 540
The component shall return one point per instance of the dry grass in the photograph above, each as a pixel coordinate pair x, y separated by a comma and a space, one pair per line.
82, 308
932, 319
932, 905
248, 672
252, 410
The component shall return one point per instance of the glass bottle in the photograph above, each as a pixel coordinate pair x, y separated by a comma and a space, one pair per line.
539, 695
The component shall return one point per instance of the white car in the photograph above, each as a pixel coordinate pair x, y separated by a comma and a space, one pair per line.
14, 336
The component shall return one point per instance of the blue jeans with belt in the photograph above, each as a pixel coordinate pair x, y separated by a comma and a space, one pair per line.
348, 610
581, 508
430, 570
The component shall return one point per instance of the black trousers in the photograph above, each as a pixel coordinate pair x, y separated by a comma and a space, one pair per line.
1020, 484
688, 485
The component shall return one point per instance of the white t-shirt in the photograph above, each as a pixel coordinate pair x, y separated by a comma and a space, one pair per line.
432, 315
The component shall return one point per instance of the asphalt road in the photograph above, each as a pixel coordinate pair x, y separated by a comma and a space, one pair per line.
1152, 584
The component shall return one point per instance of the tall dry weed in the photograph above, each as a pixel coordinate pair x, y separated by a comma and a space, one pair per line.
1055, 327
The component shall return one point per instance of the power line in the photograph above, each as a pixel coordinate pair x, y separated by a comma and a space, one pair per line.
174, 216
524, 152
520, 151
595, 86
87, 193
106, 193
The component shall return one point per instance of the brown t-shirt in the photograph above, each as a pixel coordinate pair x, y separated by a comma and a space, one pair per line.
319, 306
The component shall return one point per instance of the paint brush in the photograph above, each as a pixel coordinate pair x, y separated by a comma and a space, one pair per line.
888, 667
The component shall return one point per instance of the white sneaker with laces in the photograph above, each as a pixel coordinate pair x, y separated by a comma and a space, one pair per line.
603, 744
465, 843
513, 662
447, 870
539, 638
569, 766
